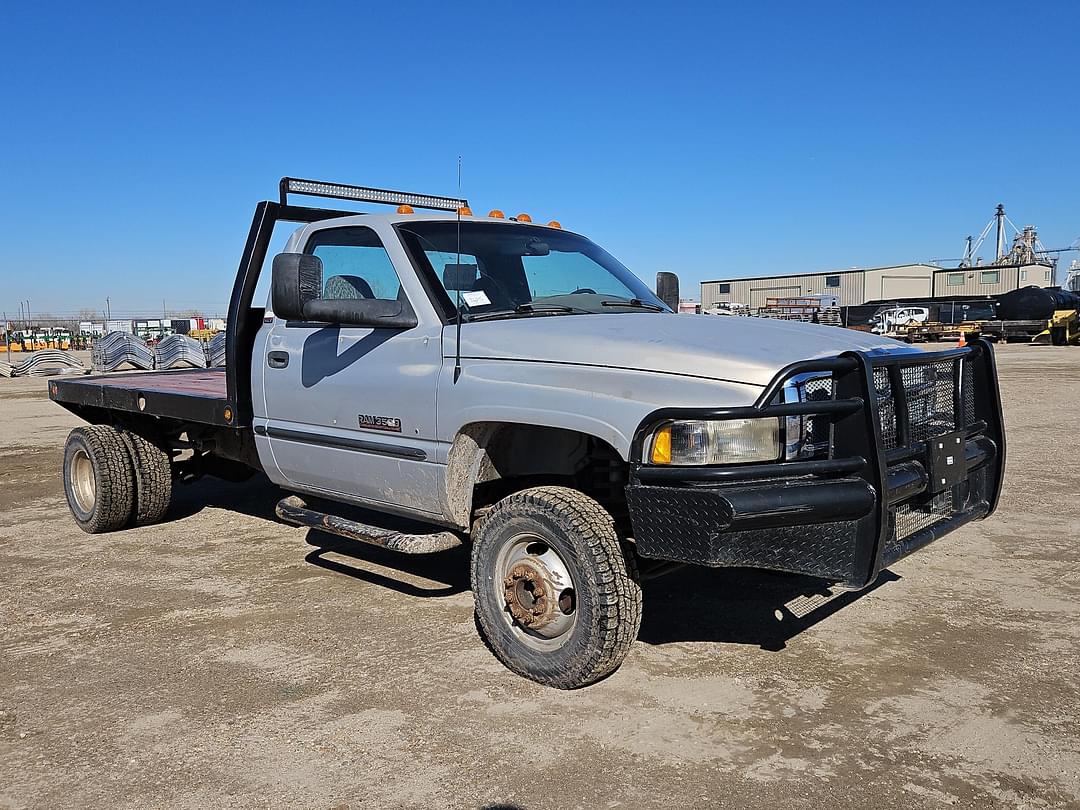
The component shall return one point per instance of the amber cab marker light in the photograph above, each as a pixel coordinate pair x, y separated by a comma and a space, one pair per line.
524, 218
404, 209
555, 224
495, 213
465, 211
661, 446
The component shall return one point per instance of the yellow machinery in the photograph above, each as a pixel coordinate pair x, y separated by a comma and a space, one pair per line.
1063, 329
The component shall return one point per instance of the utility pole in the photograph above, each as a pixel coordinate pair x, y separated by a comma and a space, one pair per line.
108, 311
7, 337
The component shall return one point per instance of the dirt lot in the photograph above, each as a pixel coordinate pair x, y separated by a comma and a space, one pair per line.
223, 659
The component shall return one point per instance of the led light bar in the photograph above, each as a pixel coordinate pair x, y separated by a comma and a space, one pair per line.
342, 191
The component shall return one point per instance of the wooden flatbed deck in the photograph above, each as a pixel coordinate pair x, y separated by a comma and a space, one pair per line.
192, 395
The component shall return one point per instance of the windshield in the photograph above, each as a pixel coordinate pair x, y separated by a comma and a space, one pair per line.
509, 269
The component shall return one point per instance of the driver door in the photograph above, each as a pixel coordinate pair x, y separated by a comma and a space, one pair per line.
351, 410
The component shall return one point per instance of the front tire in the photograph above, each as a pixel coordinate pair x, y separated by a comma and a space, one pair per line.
98, 479
557, 597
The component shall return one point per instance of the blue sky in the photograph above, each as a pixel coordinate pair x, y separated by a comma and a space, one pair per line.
712, 140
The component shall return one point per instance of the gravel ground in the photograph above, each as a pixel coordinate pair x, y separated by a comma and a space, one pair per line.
222, 659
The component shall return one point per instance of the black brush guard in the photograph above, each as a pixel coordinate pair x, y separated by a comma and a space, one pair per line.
917, 449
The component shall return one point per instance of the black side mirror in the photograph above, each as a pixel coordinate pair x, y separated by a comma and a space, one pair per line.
296, 295
297, 279
667, 289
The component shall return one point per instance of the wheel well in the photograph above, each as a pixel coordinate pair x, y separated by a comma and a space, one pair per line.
490, 460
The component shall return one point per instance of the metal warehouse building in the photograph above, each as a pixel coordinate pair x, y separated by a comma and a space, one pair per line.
855, 286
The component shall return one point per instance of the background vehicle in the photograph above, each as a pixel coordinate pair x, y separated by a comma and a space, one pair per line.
513, 386
728, 308
890, 319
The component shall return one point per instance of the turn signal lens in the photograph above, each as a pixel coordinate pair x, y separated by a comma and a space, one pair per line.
465, 211
661, 446
496, 213
404, 209
555, 224
524, 218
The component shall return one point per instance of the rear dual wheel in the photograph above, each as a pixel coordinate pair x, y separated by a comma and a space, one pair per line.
153, 479
114, 478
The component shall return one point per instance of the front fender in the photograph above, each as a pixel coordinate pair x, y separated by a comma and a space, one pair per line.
607, 403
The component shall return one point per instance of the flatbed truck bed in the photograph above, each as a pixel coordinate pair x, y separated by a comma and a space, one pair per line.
196, 395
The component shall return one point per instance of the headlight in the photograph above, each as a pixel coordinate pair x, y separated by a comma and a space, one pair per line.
727, 441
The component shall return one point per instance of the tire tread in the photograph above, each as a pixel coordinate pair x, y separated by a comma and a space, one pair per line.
114, 484
153, 479
608, 565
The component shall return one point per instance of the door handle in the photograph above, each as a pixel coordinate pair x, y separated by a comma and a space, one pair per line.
277, 359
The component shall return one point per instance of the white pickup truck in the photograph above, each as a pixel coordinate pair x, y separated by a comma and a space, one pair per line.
512, 386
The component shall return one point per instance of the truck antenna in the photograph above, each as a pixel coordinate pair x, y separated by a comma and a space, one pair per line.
457, 336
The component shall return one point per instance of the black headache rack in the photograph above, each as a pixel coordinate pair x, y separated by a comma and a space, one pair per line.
916, 449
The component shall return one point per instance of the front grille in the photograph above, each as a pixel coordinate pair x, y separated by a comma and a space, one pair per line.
817, 430
933, 407
931, 399
807, 436
939, 399
886, 405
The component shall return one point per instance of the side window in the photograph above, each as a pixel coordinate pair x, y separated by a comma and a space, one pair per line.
355, 264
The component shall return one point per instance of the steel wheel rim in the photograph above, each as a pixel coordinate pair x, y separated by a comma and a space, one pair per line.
83, 484
530, 554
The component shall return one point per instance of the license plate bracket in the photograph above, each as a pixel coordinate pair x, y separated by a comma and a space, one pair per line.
946, 464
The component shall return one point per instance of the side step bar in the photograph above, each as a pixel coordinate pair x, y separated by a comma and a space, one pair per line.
294, 510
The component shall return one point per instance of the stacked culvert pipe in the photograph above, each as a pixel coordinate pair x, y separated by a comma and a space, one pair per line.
116, 349
176, 350
43, 363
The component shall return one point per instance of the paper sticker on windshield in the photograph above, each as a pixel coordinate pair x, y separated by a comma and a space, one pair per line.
475, 298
